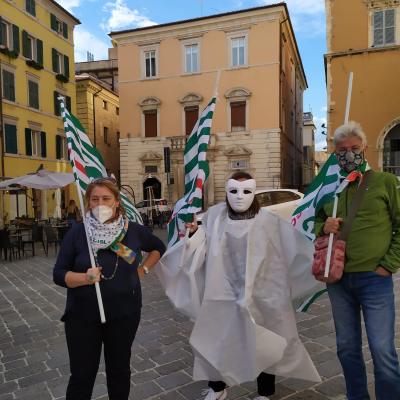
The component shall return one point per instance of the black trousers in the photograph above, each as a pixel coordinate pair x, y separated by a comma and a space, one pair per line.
265, 384
85, 340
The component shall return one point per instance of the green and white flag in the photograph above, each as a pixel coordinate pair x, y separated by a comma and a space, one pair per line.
196, 173
321, 190
87, 163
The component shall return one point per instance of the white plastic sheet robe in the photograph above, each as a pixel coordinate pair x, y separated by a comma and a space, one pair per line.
237, 282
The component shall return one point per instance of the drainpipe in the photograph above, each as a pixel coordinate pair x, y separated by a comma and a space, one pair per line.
94, 116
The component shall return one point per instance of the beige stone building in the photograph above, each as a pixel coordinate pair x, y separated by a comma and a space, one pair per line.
309, 130
371, 52
98, 111
167, 74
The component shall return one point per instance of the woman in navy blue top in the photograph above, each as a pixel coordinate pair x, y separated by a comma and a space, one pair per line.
117, 244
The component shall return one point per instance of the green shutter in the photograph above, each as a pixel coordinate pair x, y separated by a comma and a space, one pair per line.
1, 32
33, 94
56, 104
43, 144
28, 142
65, 30
16, 39
39, 46
68, 103
58, 147
30, 7
26, 50
9, 85
66, 66
53, 22
10, 139
54, 59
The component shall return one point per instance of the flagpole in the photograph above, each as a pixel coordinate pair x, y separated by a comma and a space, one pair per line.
335, 203
92, 261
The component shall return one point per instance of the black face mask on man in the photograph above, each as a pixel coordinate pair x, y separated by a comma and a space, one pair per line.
350, 160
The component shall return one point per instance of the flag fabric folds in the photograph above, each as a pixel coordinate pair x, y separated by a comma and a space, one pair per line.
87, 163
196, 173
321, 190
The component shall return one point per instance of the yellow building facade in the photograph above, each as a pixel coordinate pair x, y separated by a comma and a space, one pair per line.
167, 75
98, 111
363, 37
37, 57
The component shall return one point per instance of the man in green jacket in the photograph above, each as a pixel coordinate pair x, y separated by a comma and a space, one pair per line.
372, 256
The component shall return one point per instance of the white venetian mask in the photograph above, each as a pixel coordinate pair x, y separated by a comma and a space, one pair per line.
240, 194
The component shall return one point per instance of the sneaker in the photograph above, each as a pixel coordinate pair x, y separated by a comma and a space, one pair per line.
211, 395
261, 398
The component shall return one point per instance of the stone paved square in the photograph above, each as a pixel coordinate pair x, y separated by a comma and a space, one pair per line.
34, 359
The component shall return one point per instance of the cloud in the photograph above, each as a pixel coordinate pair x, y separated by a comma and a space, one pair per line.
320, 139
86, 41
308, 16
121, 16
69, 4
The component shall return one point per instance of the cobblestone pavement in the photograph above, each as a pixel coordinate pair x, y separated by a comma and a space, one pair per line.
34, 359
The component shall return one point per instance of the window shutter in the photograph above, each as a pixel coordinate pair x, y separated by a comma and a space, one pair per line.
39, 47
33, 94
15, 39
33, 7
191, 116
53, 22
68, 103
150, 123
65, 30
28, 142
58, 147
238, 115
66, 66
1, 33
54, 59
9, 85
10, 138
56, 104
43, 143
26, 50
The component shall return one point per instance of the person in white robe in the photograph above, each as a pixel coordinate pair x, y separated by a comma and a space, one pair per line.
236, 277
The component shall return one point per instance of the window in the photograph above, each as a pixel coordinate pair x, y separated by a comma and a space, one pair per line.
57, 107
105, 135
60, 63
238, 116
105, 105
191, 58
117, 110
150, 169
32, 48
33, 94
30, 6
10, 136
8, 84
150, 63
9, 38
264, 199
191, 116
58, 26
238, 51
118, 137
283, 197
61, 147
150, 123
384, 27
35, 143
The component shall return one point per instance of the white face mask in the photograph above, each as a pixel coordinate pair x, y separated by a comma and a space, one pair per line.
240, 194
102, 213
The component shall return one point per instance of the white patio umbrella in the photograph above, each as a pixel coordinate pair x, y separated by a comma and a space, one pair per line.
57, 209
43, 179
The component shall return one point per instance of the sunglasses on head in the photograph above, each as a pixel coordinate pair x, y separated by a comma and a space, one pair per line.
104, 179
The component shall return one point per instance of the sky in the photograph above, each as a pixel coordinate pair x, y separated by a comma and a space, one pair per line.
99, 17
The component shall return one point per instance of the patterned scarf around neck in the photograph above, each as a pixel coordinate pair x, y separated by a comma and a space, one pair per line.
109, 236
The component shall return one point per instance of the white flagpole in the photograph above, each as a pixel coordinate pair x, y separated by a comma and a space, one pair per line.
91, 255
335, 204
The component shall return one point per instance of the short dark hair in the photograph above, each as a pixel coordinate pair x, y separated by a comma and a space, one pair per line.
243, 176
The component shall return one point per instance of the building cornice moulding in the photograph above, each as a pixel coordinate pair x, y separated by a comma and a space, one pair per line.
150, 156
381, 3
238, 151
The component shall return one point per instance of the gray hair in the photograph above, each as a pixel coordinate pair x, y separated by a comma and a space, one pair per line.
351, 129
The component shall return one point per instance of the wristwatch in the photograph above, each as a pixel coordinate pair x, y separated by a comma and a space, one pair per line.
145, 269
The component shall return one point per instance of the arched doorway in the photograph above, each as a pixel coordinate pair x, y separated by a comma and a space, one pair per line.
391, 151
151, 185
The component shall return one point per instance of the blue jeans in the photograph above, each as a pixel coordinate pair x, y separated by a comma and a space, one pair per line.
373, 295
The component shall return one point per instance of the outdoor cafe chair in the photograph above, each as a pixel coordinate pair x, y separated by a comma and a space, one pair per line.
51, 237
8, 246
34, 235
